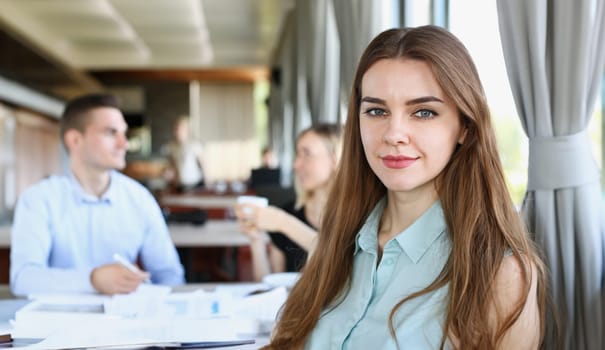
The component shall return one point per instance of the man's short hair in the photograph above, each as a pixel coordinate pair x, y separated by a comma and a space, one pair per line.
76, 116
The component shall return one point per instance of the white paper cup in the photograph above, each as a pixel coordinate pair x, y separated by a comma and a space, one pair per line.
258, 201
254, 200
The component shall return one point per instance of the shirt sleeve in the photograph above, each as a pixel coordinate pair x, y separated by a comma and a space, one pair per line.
158, 253
31, 243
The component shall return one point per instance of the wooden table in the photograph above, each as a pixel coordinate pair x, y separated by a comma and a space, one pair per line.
5, 236
198, 201
216, 206
216, 251
214, 233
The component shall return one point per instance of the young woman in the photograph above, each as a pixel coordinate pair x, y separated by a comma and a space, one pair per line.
294, 226
420, 244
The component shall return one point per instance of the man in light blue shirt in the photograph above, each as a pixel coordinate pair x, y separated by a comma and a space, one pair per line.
67, 228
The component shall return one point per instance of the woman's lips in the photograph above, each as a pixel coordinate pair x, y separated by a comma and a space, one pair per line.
398, 162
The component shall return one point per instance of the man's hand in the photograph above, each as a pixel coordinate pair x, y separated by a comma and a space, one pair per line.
116, 279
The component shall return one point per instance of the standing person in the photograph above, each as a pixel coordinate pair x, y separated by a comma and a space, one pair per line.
293, 227
185, 169
67, 228
420, 246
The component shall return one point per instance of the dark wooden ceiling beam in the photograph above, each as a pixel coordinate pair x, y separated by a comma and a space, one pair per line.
237, 74
31, 66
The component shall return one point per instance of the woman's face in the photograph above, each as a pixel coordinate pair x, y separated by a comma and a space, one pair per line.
409, 127
314, 163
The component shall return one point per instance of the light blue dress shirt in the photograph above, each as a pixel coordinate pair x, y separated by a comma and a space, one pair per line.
410, 262
60, 234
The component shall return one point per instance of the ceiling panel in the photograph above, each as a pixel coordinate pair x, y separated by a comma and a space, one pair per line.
84, 34
54, 45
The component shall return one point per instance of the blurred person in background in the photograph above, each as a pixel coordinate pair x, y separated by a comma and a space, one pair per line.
268, 174
293, 228
185, 169
268, 158
67, 228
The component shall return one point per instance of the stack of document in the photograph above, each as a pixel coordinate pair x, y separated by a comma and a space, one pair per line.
46, 315
137, 333
149, 316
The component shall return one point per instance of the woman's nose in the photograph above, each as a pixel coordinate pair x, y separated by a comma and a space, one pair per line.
397, 131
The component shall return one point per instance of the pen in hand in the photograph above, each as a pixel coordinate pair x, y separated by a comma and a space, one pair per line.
130, 266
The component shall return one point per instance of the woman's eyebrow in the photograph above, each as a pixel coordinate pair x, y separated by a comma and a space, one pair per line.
415, 101
373, 100
423, 99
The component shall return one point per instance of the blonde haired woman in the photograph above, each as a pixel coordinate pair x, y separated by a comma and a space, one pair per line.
293, 228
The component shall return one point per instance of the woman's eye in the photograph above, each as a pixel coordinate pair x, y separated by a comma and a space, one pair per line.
425, 114
376, 112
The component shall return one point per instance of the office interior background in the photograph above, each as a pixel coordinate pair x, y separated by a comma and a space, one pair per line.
251, 73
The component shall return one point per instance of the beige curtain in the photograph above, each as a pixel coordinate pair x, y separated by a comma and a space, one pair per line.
37, 149
223, 120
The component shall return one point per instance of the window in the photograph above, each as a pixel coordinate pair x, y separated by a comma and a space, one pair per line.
488, 56
417, 13
481, 36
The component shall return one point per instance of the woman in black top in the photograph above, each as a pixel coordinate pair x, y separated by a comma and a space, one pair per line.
293, 228
295, 255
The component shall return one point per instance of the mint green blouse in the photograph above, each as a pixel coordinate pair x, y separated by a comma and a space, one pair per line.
410, 261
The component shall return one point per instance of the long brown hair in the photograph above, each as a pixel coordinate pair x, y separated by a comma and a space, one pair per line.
481, 219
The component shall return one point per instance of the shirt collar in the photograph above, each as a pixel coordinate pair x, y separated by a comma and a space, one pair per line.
414, 241
82, 197
417, 239
367, 238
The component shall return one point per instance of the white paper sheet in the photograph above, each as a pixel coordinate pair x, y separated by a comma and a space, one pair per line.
133, 332
146, 317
